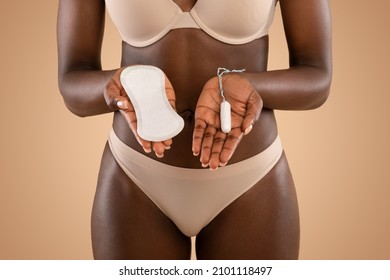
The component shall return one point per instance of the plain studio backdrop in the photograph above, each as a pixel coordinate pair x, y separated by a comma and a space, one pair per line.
339, 154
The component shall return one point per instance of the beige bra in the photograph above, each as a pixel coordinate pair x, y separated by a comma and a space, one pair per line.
143, 22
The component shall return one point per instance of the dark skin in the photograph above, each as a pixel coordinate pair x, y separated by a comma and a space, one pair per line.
263, 223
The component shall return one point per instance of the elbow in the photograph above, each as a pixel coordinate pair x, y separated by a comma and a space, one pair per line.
73, 108
319, 98
319, 93
71, 102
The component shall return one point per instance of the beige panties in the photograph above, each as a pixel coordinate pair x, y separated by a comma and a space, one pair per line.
191, 198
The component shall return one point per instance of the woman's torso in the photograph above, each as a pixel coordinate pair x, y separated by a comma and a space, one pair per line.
190, 57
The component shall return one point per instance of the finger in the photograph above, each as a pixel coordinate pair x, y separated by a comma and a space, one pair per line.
146, 145
218, 144
122, 103
131, 119
207, 144
170, 93
252, 113
167, 144
111, 94
115, 101
230, 145
158, 148
197, 137
114, 93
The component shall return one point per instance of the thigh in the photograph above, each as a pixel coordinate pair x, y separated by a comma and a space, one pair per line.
263, 223
126, 224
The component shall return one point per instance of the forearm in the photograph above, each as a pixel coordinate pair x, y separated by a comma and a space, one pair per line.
298, 88
82, 91
306, 83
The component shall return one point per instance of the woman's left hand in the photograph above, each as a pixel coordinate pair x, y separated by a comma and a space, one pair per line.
214, 146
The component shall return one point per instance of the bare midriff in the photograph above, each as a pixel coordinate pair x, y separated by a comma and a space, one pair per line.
189, 58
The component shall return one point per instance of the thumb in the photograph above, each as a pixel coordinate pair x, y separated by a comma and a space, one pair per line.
122, 103
252, 113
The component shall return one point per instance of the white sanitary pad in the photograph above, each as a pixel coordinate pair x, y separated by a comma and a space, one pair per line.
156, 119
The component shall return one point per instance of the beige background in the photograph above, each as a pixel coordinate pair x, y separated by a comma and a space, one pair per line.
339, 153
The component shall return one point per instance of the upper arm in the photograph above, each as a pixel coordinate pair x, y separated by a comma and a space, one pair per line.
307, 27
80, 27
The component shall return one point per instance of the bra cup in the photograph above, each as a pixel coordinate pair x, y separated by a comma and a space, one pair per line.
142, 22
234, 21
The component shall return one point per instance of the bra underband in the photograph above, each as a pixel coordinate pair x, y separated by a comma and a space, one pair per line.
144, 22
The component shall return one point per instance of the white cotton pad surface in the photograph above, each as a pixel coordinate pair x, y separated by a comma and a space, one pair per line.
156, 119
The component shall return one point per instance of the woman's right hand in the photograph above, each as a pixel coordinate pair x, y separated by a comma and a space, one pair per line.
117, 99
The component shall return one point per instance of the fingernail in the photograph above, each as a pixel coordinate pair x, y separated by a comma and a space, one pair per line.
147, 150
167, 147
205, 165
213, 169
159, 155
222, 164
121, 105
248, 130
